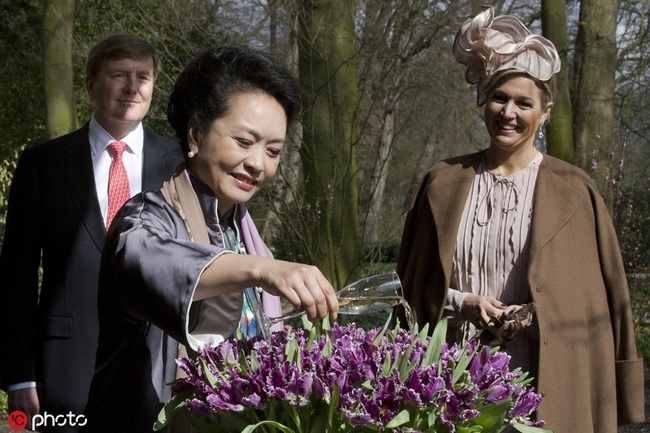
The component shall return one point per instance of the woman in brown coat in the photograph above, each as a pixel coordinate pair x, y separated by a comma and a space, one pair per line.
528, 228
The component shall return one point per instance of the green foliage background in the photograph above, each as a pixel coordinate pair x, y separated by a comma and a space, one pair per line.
22, 119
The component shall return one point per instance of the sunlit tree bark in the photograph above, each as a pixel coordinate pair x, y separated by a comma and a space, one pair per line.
595, 69
328, 73
58, 23
559, 133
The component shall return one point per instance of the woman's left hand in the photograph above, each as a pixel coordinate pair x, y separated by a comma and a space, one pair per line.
480, 309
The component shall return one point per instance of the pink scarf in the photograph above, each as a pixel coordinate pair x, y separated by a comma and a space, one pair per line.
255, 247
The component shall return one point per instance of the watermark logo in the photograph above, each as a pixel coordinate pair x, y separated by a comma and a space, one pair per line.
18, 420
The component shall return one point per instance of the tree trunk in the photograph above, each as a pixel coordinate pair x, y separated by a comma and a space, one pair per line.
327, 64
595, 68
559, 133
394, 34
58, 22
380, 177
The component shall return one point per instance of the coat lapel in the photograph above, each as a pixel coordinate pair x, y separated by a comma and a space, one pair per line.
77, 172
555, 203
447, 205
550, 214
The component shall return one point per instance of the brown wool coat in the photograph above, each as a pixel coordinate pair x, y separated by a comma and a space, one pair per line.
586, 362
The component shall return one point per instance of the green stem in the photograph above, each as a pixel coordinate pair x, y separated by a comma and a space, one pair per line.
296, 417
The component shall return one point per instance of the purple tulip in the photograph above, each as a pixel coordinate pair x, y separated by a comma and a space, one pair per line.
251, 377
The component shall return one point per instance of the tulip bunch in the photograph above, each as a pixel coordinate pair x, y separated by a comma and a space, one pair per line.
324, 378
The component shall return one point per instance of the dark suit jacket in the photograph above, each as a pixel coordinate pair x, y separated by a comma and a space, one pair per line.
54, 214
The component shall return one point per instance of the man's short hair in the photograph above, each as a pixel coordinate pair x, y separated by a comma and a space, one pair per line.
120, 46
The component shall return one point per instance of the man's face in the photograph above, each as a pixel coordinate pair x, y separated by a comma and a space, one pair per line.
121, 93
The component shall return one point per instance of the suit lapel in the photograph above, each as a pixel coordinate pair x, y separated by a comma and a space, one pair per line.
555, 203
77, 172
155, 151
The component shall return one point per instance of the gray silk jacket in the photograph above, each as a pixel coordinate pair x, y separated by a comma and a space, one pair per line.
150, 268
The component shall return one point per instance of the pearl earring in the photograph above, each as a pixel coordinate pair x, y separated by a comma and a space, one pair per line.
541, 132
190, 154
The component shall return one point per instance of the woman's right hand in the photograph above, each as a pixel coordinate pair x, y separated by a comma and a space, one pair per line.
304, 286
479, 309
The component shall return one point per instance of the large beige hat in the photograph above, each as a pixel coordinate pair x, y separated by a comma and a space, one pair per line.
487, 44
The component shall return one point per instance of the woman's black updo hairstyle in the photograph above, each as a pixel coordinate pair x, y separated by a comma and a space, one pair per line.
209, 81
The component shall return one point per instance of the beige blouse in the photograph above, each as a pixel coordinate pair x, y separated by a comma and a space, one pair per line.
492, 247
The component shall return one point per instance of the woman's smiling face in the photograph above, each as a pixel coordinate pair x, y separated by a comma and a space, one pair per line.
241, 151
514, 112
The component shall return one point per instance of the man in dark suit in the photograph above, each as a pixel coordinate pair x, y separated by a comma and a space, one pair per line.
57, 218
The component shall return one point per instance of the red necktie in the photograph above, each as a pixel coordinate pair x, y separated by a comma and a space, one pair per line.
118, 182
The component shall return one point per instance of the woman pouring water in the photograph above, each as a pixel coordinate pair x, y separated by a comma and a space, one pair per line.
183, 264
